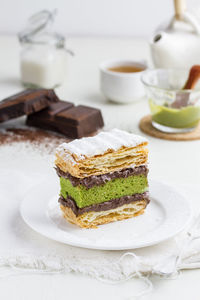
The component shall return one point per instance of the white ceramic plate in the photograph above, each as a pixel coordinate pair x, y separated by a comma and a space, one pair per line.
166, 215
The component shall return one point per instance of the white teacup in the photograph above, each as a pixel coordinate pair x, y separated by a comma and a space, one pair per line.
121, 86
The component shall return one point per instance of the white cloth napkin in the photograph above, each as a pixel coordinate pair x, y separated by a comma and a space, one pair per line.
22, 249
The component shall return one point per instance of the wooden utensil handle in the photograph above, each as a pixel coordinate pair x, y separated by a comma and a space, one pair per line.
180, 7
193, 77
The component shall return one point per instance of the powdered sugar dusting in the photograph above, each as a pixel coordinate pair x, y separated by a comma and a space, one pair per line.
99, 144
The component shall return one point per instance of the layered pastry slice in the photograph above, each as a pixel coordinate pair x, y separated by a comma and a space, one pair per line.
103, 178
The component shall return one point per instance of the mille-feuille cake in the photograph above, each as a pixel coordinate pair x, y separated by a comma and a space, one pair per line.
103, 178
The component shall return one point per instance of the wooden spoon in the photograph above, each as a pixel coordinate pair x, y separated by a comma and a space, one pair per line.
182, 99
193, 77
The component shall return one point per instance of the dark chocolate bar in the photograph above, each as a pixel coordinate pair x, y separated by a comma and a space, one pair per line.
25, 103
64, 117
45, 119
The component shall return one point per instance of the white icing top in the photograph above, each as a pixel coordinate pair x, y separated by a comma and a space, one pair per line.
99, 144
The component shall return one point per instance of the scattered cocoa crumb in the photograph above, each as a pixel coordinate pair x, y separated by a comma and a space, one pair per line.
36, 137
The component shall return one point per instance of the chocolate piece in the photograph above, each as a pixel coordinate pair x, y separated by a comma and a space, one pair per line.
79, 121
64, 117
25, 103
111, 204
54, 109
45, 119
94, 180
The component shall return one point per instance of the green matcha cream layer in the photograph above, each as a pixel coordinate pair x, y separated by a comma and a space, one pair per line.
185, 117
113, 189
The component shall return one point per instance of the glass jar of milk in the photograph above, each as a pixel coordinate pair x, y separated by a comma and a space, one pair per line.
43, 58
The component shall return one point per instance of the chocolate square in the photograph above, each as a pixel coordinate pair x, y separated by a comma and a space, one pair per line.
64, 117
25, 103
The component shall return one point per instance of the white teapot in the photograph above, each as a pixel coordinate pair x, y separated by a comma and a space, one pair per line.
178, 46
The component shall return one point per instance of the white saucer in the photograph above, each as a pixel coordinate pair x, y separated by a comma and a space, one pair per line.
167, 214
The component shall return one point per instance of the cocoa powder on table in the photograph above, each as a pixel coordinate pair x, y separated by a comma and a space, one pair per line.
35, 137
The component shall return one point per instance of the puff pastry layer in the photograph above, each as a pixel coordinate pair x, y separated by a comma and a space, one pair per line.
93, 219
120, 150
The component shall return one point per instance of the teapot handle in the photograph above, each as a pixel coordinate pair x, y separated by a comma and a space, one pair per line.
187, 18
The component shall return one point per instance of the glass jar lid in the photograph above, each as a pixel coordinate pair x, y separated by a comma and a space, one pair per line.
38, 30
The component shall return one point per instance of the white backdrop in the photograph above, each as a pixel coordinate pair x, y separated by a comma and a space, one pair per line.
92, 17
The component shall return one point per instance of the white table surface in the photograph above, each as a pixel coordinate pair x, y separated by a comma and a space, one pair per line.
175, 162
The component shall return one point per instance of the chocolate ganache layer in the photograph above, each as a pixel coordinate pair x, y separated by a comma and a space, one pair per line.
93, 180
111, 204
